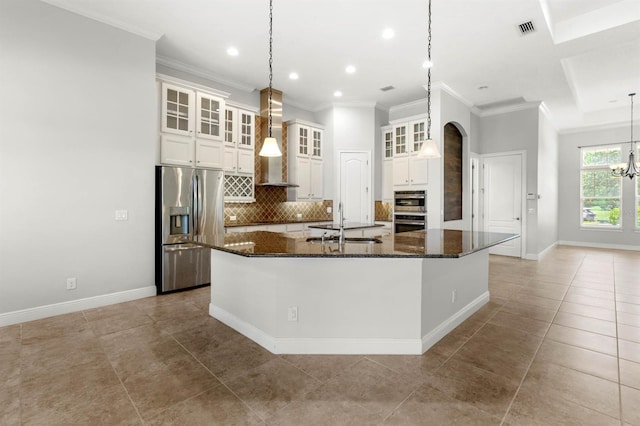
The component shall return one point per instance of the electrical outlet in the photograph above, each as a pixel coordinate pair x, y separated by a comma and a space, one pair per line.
71, 283
299, 215
233, 217
454, 296
122, 215
292, 313
329, 209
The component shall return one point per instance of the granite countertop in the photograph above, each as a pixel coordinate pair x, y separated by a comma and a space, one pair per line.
271, 222
347, 226
432, 243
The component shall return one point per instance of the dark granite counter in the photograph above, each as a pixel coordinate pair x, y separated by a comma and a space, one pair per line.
433, 243
274, 222
347, 226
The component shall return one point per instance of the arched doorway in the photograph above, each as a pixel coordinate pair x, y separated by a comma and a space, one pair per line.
452, 179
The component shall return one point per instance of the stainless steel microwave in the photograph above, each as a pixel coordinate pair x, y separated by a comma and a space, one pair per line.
410, 201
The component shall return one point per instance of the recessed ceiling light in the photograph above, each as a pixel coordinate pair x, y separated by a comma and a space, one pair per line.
293, 76
427, 64
613, 101
388, 33
483, 87
337, 93
232, 51
350, 69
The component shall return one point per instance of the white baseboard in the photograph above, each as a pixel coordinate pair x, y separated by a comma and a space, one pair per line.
542, 254
46, 311
599, 245
452, 322
347, 346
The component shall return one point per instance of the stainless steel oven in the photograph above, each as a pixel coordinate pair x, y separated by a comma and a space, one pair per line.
409, 211
410, 201
409, 222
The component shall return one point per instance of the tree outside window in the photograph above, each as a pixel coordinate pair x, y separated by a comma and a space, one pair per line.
600, 192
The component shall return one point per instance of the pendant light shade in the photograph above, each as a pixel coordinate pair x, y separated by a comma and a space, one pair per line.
270, 148
429, 148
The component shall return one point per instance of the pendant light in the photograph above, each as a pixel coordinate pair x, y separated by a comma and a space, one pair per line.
429, 148
631, 169
270, 146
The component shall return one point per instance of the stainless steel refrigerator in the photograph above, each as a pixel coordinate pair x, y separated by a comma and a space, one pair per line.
189, 208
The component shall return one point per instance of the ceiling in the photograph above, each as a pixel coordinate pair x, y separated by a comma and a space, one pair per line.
582, 60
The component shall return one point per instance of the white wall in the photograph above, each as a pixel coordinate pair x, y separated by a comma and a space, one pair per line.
515, 131
381, 119
547, 204
78, 140
569, 192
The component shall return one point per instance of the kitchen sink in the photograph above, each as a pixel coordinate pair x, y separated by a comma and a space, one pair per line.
334, 239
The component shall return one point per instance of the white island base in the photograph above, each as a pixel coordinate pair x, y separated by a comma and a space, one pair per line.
370, 305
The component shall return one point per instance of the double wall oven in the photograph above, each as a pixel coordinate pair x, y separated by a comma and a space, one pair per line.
409, 211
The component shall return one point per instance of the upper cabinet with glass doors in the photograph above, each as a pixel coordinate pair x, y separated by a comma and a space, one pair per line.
177, 110
239, 127
209, 116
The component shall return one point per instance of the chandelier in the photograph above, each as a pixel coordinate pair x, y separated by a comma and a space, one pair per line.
632, 168
429, 148
270, 146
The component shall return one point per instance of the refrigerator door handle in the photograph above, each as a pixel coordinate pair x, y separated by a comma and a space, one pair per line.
194, 204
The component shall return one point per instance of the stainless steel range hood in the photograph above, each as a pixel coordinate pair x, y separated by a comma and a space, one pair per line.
272, 172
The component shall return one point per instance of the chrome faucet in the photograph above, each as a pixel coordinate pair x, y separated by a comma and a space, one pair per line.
341, 215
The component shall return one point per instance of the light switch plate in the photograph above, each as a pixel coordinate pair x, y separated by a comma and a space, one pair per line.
122, 215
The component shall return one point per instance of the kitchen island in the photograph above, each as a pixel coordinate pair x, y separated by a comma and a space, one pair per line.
399, 296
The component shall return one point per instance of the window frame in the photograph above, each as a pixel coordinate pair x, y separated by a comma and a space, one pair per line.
600, 167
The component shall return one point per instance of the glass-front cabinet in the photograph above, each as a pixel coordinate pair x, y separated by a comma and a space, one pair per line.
177, 109
239, 127
417, 135
400, 140
209, 117
306, 166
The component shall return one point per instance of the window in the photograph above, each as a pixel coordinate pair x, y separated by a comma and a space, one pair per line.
600, 192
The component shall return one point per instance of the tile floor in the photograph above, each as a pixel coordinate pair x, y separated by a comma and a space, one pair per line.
559, 343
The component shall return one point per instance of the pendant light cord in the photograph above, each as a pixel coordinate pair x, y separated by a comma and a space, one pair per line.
429, 78
270, 60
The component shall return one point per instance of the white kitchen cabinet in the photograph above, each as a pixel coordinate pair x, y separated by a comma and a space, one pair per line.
238, 161
387, 143
182, 111
306, 166
177, 109
239, 127
407, 169
209, 116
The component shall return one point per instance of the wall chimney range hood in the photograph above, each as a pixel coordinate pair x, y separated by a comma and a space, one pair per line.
272, 172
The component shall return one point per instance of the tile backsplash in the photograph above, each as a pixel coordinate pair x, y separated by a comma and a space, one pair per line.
271, 206
383, 211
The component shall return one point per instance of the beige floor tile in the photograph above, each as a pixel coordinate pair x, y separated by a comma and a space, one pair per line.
49, 328
10, 401
549, 293
590, 301
371, 385
588, 311
558, 278
628, 308
628, 319
630, 405
630, 373
629, 350
627, 298
117, 344
585, 291
271, 386
449, 344
119, 322
528, 311
464, 382
80, 396
547, 285
534, 406
628, 332
175, 317
584, 339
160, 374
217, 406
574, 386
226, 357
507, 319
584, 360
503, 290
628, 289
593, 325
59, 355
414, 367
582, 283
540, 302
431, 406
322, 367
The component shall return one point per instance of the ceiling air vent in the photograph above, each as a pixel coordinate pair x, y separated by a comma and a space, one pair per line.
387, 88
526, 28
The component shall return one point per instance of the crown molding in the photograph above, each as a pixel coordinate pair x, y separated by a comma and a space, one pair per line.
192, 85
199, 72
597, 127
78, 10
408, 105
439, 85
506, 109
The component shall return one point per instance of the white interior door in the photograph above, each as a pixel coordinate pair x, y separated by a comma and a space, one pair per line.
355, 184
503, 200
